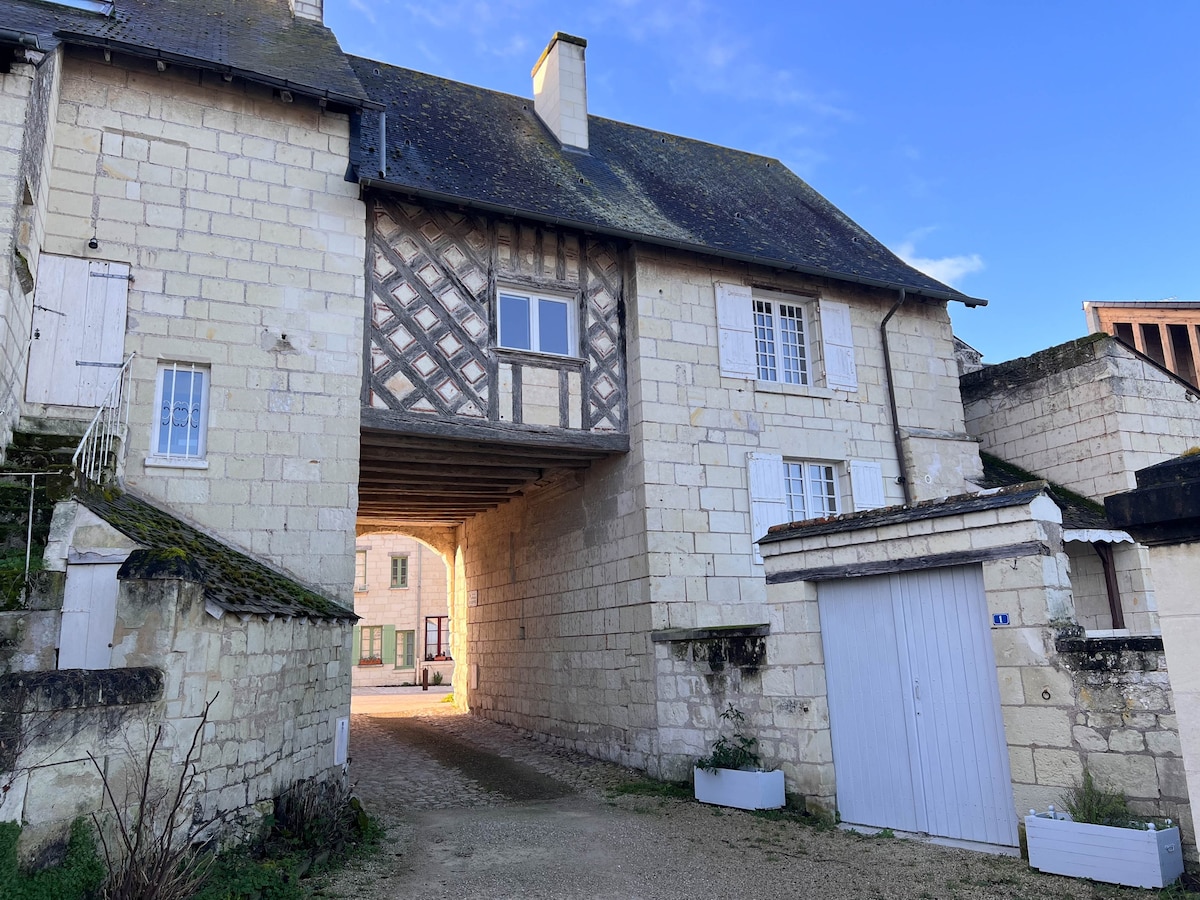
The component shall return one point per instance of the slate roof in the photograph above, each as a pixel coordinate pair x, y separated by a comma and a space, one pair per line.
462, 144
894, 515
255, 39
232, 580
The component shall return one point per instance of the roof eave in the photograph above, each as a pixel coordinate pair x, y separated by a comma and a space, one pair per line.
368, 182
304, 90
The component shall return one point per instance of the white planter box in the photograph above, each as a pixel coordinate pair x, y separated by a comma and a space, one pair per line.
1147, 859
743, 790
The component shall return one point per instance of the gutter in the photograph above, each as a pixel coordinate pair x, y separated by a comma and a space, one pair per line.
897, 437
638, 237
25, 39
304, 90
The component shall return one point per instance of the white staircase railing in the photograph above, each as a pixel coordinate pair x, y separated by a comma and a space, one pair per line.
107, 427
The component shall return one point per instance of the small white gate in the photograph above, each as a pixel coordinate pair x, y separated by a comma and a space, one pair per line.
89, 617
914, 705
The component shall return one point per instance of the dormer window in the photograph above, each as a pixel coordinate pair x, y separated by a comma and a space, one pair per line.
104, 7
537, 323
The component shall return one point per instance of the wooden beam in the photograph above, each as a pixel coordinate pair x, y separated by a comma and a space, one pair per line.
505, 433
481, 473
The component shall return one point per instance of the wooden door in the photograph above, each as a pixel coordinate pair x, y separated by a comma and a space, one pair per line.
89, 617
78, 338
914, 705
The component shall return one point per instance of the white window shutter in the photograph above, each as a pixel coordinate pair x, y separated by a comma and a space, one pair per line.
837, 338
735, 323
768, 495
866, 484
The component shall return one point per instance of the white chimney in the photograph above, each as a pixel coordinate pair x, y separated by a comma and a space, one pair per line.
560, 90
308, 9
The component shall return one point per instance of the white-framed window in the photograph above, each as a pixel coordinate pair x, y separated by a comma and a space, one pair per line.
399, 570
770, 336
371, 650
812, 489
360, 570
181, 415
536, 323
780, 341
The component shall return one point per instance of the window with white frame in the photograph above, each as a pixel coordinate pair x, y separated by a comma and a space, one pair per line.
181, 417
371, 651
812, 489
771, 336
537, 323
780, 342
360, 570
399, 571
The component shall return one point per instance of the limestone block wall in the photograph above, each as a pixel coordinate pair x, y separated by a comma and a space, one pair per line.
400, 609
1085, 415
246, 247
695, 427
557, 615
278, 687
28, 101
1138, 598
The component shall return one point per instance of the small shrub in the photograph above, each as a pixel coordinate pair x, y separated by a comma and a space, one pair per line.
437, 679
78, 876
1087, 802
738, 751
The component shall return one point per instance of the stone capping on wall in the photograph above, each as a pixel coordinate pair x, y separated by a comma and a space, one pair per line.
1093, 647
707, 634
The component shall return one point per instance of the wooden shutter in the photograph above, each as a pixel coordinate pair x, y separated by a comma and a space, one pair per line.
735, 321
837, 340
768, 495
388, 651
866, 484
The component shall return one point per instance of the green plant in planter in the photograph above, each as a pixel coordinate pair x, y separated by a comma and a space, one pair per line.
1091, 804
737, 751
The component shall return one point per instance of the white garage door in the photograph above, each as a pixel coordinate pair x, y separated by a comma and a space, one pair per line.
914, 707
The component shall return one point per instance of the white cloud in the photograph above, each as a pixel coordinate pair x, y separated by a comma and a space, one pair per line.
947, 269
365, 10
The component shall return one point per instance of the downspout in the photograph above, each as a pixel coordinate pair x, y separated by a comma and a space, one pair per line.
419, 634
887, 371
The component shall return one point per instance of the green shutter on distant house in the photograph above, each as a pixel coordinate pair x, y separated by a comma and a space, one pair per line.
356, 646
389, 645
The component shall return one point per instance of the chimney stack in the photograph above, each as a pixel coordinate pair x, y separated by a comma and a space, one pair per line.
560, 90
308, 9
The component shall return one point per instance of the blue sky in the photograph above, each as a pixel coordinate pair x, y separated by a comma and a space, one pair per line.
1034, 154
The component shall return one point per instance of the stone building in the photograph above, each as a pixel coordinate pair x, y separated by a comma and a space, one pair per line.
1167, 331
401, 599
182, 249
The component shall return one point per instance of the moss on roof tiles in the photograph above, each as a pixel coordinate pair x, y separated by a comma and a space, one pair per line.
1077, 510
232, 580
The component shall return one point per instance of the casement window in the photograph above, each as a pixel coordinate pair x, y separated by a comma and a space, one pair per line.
406, 649
181, 416
793, 490
780, 342
360, 570
771, 337
437, 638
371, 648
811, 489
536, 323
399, 571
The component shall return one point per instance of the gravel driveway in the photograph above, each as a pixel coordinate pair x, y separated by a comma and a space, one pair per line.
477, 810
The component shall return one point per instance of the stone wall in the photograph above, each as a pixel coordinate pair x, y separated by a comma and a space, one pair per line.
400, 609
1086, 414
28, 101
277, 688
1061, 708
246, 247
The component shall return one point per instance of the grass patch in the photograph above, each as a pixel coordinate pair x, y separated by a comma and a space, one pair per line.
667, 790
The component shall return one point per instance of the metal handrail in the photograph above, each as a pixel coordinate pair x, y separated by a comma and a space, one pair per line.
106, 427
